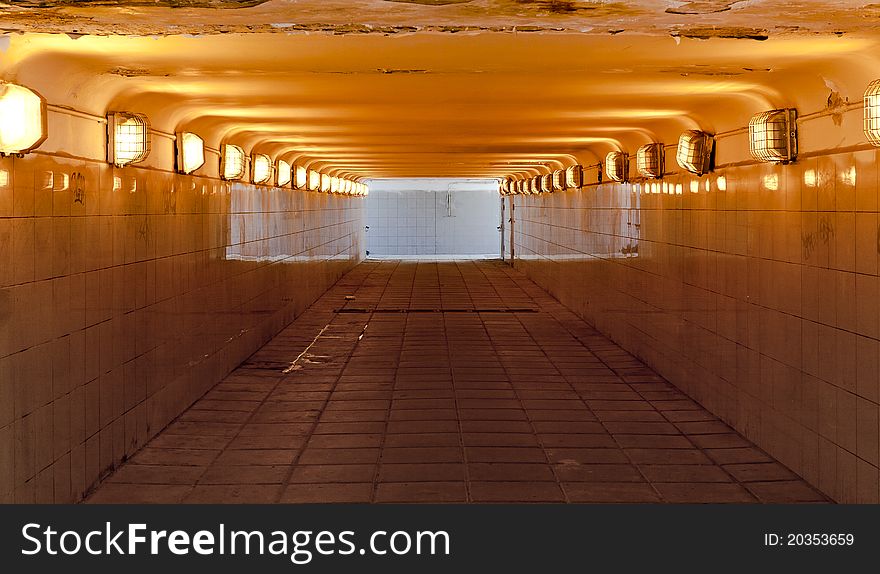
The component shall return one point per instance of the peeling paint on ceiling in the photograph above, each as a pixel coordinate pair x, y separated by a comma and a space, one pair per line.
339, 17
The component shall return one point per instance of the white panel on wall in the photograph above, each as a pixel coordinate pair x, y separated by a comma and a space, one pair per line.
433, 217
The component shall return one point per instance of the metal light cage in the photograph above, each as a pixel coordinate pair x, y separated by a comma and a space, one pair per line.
261, 168
773, 135
547, 183
559, 180
694, 152
23, 123
282, 173
617, 165
232, 162
128, 138
535, 184
325, 183
574, 177
190, 150
872, 113
334, 184
314, 180
651, 160
300, 177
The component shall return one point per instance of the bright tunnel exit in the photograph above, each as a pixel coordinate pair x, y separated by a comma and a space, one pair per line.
439, 217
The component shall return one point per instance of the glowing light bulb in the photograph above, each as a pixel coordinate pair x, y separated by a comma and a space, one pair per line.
283, 171
128, 138
261, 168
22, 119
232, 164
190, 152
301, 179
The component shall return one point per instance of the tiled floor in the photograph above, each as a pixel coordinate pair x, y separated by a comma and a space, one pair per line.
456, 381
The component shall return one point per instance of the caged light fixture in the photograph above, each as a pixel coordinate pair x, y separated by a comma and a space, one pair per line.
334, 185
547, 183
559, 180
651, 160
325, 183
314, 180
617, 166
300, 177
574, 177
190, 152
128, 138
535, 184
872, 113
22, 119
232, 162
261, 168
282, 173
773, 135
694, 152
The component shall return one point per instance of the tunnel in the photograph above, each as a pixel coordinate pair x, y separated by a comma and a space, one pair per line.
459, 251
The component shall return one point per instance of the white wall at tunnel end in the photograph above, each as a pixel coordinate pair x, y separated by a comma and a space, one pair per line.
442, 216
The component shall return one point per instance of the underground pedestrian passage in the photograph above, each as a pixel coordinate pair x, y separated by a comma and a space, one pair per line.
486, 251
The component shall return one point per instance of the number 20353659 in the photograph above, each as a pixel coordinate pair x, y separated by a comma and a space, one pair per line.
809, 539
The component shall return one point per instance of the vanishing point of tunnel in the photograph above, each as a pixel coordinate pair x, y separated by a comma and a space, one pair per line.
439, 251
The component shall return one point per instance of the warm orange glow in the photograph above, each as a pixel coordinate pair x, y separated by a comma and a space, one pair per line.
301, 178
282, 173
190, 152
128, 138
22, 119
314, 180
232, 162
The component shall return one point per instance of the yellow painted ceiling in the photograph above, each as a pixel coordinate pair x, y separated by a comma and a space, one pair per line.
423, 101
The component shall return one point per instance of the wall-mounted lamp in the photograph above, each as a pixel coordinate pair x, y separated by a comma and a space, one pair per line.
325, 183
22, 119
773, 135
559, 180
232, 162
872, 112
314, 180
617, 166
190, 152
282, 173
261, 168
128, 138
535, 184
694, 152
651, 160
300, 177
547, 183
574, 177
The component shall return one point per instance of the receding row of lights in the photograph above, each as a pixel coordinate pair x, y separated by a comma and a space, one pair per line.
772, 138
23, 128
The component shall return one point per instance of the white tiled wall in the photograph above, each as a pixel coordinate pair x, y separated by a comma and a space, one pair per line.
433, 217
126, 293
754, 290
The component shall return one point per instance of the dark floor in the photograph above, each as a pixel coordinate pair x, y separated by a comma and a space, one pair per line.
447, 382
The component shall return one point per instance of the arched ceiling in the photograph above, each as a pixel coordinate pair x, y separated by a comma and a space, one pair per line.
360, 99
